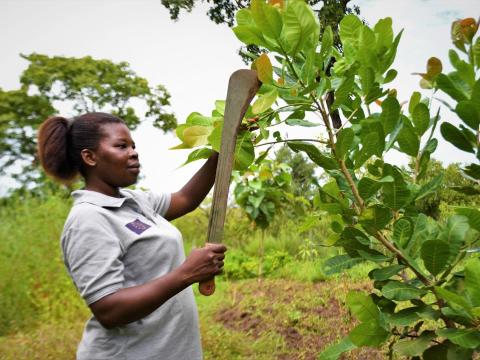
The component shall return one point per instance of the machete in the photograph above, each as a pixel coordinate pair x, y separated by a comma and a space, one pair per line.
242, 87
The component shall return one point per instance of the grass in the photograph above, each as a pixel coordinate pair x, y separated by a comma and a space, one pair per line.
283, 316
248, 319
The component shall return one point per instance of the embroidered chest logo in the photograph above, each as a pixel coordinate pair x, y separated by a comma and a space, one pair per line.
137, 226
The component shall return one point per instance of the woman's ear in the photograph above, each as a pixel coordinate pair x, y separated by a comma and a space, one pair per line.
88, 157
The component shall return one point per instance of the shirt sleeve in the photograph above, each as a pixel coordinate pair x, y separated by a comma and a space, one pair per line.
92, 255
160, 202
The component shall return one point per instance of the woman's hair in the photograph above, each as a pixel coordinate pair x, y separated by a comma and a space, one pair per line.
61, 140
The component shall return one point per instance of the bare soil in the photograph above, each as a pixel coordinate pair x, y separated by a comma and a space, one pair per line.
309, 317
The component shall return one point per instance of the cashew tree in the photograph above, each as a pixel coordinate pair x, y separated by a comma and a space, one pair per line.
425, 301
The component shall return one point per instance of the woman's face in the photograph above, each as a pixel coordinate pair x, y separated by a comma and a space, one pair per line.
117, 162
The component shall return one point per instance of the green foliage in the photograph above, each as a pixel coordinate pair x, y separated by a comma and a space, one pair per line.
32, 287
328, 12
20, 115
376, 205
263, 191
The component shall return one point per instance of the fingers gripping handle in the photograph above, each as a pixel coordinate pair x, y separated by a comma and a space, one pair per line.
242, 87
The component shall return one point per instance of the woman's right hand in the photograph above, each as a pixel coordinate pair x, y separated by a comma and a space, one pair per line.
203, 263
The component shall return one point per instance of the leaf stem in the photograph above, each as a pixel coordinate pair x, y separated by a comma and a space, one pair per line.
290, 140
346, 121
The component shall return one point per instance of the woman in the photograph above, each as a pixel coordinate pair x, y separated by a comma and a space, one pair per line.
125, 258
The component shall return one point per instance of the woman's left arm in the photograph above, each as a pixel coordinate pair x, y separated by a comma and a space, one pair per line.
192, 194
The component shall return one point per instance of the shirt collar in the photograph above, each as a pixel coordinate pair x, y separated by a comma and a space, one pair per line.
99, 199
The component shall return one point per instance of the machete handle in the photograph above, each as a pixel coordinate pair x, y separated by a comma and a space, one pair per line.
207, 287
242, 88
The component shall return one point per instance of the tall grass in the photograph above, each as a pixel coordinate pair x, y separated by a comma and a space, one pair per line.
33, 283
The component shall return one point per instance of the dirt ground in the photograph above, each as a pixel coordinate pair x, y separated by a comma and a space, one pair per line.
309, 317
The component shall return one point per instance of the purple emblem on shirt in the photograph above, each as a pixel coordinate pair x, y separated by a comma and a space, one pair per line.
137, 226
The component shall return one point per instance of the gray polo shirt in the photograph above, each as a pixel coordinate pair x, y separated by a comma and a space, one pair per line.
112, 243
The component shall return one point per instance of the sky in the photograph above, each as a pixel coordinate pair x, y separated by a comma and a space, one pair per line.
193, 57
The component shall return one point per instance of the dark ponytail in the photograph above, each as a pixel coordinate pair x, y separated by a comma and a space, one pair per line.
60, 142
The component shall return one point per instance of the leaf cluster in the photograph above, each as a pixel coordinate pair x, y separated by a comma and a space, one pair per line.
416, 306
425, 276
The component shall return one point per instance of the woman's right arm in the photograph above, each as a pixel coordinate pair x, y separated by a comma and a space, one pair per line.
134, 303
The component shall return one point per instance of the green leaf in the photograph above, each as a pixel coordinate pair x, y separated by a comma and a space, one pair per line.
435, 255
196, 118
453, 299
368, 187
373, 255
390, 76
416, 346
389, 57
472, 281
264, 102
314, 154
299, 24
366, 55
408, 140
368, 334
396, 194
244, 151
244, 17
371, 144
327, 42
394, 135
350, 28
267, 18
215, 137
430, 187
344, 142
414, 100
467, 338
421, 118
456, 137
179, 130
385, 273
196, 135
390, 114
340, 263
404, 317
301, 122
472, 170
249, 35
362, 306
402, 232
447, 351
367, 79
396, 290
332, 352
450, 87
220, 106
384, 32
343, 92
198, 154
375, 218
454, 233
473, 216
468, 112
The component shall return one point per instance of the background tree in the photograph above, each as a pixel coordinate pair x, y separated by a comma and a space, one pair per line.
84, 83
456, 190
329, 13
304, 182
